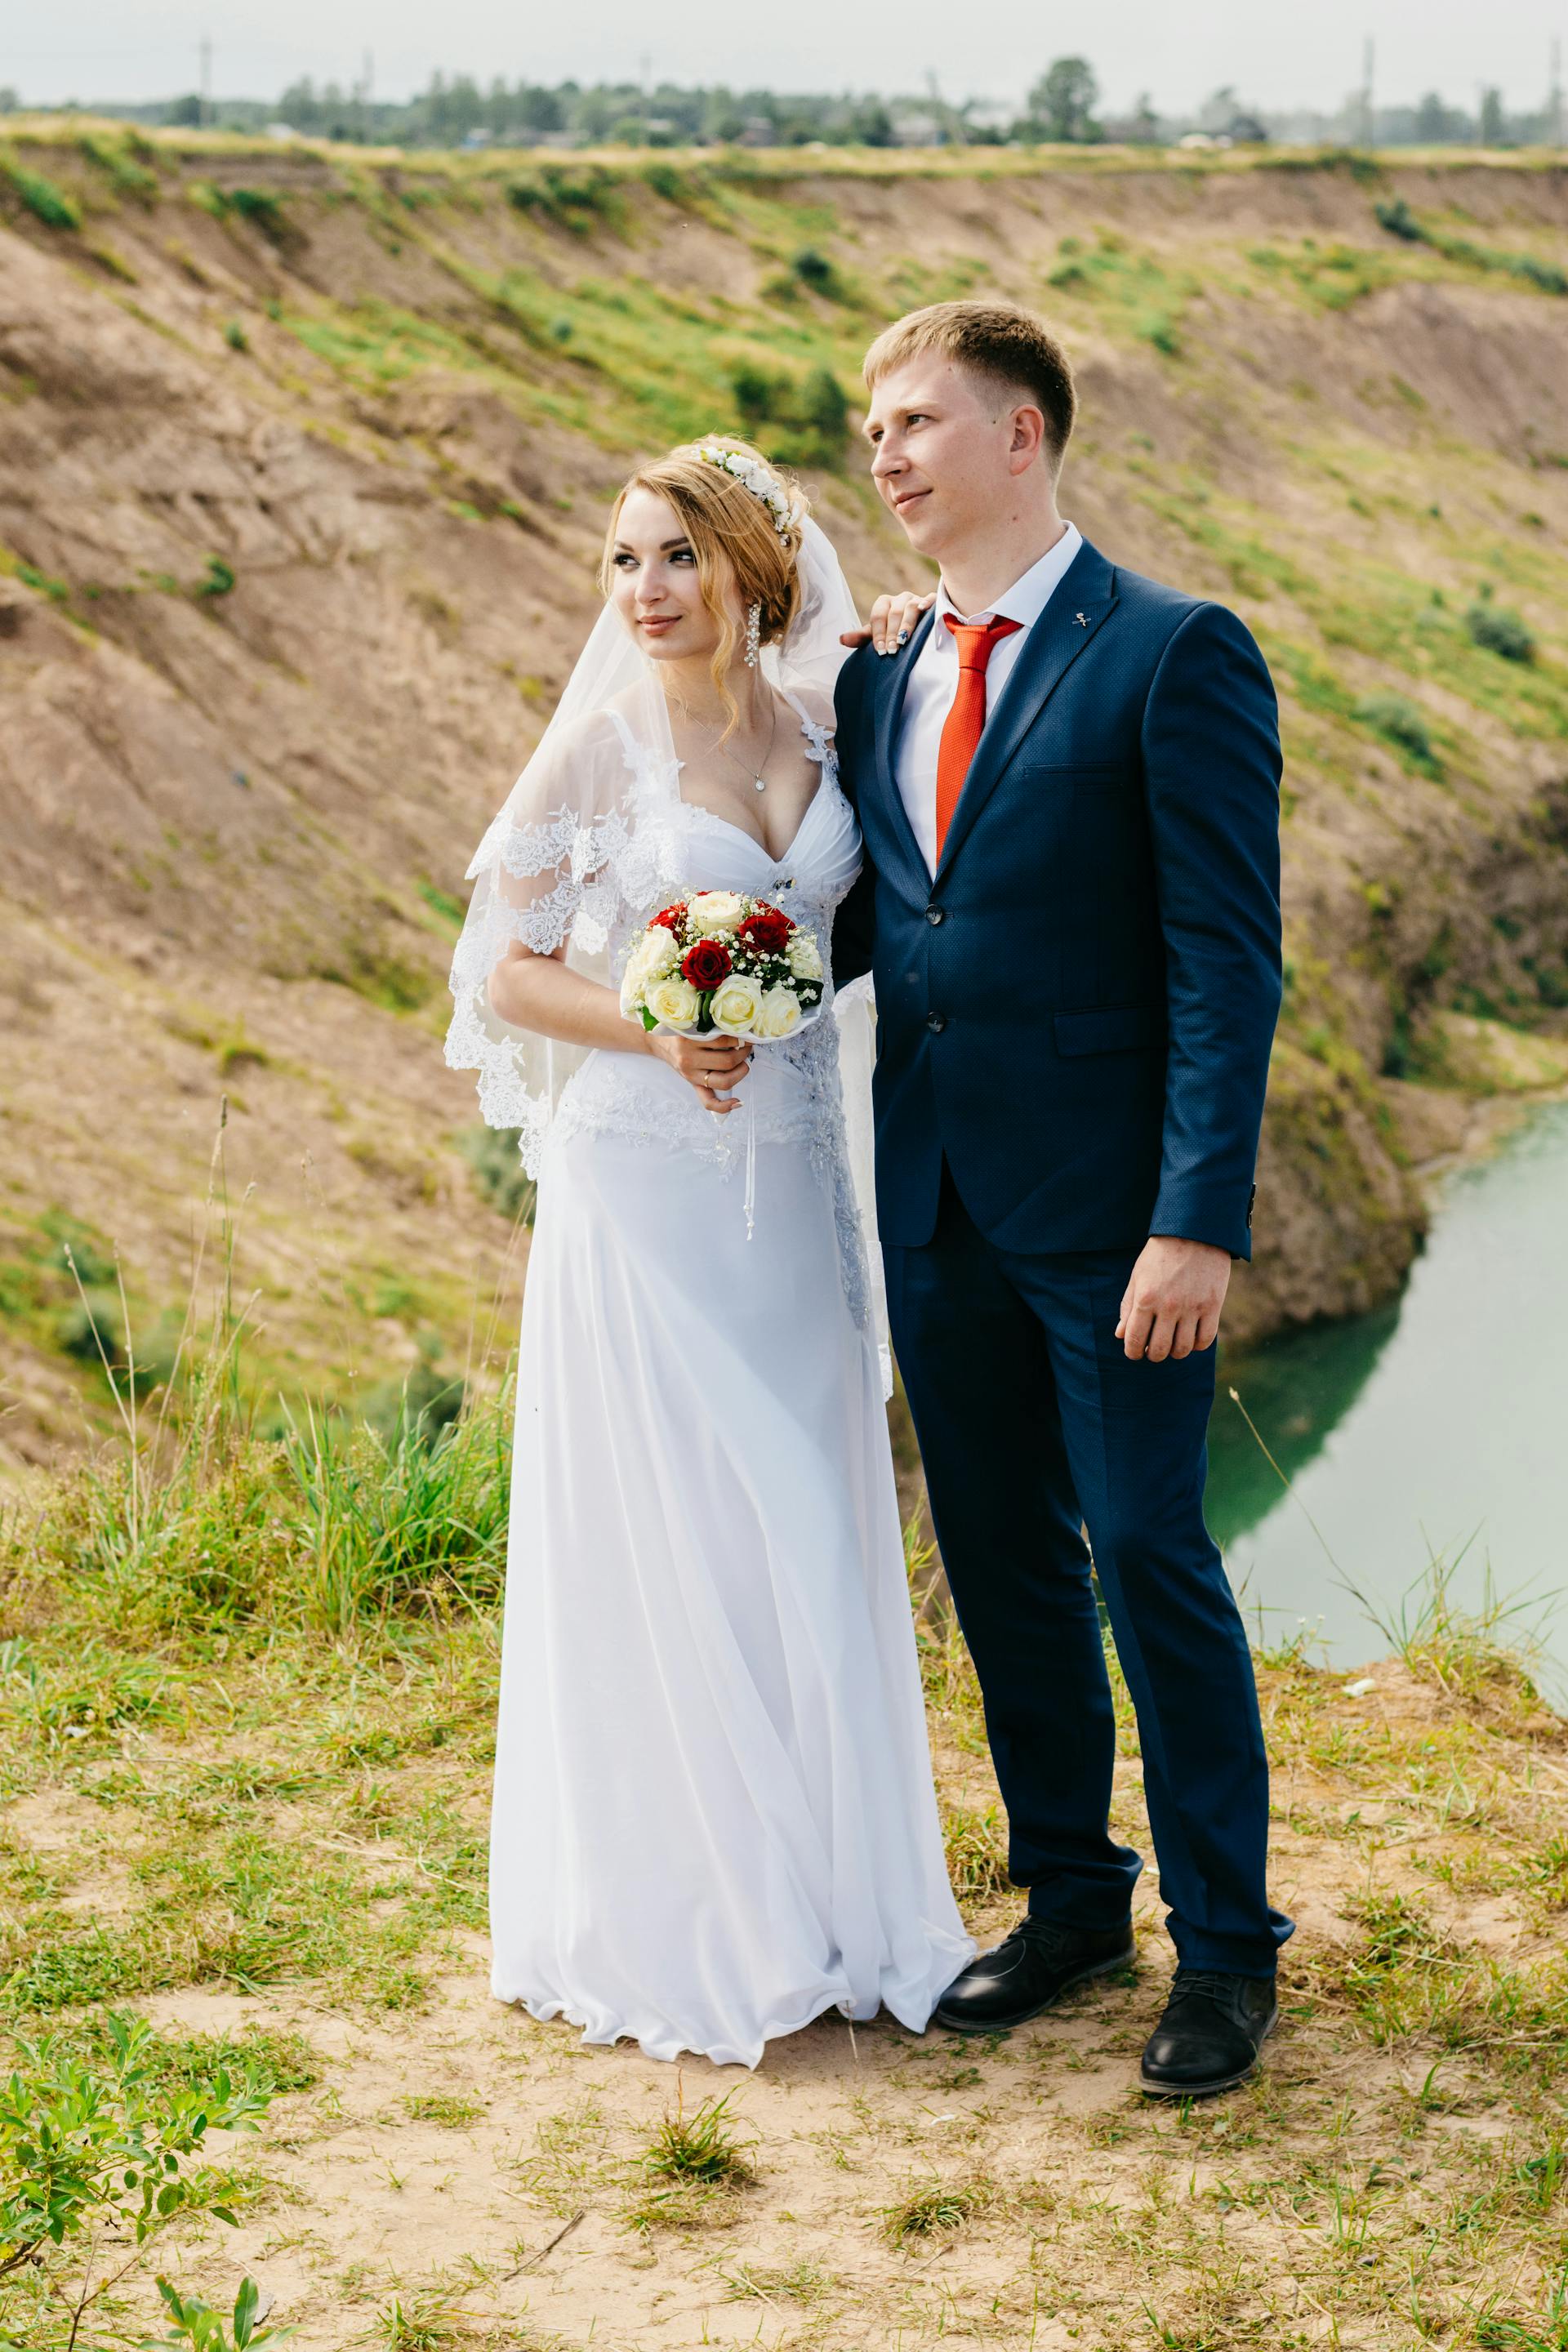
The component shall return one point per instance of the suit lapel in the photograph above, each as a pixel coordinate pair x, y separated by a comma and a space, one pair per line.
893, 685
1083, 599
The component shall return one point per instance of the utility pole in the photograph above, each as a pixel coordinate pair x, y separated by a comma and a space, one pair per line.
367, 79
1368, 119
947, 117
204, 102
1554, 99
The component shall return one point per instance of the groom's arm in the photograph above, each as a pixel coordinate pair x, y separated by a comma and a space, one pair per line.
854, 924
1211, 768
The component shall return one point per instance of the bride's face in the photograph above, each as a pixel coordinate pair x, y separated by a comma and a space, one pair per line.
654, 583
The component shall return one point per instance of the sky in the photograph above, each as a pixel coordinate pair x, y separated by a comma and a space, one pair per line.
1277, 53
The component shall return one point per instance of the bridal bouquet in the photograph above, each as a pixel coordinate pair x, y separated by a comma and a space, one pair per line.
719, 961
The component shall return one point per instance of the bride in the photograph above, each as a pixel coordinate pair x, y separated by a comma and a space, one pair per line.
713, 1815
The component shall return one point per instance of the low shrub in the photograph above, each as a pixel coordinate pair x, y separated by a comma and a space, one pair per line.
1398, 720
1399, 221
256, 204
103, 2153
498, 1173
1499, 630
798, 421
817, 269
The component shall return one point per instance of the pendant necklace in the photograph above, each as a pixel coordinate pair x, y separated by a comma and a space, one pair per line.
759, 782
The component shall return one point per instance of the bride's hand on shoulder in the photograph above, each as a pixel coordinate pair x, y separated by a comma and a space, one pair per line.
709, 1064
892, 622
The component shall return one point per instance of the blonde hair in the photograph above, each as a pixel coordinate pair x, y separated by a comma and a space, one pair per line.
734, 537
1011, 346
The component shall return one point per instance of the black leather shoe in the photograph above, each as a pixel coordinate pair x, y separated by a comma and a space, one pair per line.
1210, 2036
1040, 1959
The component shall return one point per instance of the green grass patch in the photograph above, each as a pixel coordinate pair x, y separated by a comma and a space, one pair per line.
42, 197
1131, 291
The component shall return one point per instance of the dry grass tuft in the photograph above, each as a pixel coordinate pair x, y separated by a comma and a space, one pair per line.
932, 2209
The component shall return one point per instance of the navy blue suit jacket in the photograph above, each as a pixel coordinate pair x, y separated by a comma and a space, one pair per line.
1077, 1012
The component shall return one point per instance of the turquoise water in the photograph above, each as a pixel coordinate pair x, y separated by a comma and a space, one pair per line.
1437, 1426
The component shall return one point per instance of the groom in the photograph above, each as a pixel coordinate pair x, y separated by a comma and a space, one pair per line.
1068, 783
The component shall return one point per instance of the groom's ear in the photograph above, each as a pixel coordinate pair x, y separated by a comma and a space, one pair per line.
1029, 443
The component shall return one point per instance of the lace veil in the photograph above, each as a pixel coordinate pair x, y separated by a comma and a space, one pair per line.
585, 845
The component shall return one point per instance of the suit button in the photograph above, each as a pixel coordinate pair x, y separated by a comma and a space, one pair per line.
936, 1021
935, 914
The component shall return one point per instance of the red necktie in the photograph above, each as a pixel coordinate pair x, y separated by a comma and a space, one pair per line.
962, 728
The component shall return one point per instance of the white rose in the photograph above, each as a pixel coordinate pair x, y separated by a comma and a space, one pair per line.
674, 1003
737, 1001
658, 953
713, 911
780, 1013
803, 956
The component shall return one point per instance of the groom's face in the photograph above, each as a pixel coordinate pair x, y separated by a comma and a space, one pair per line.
944, 450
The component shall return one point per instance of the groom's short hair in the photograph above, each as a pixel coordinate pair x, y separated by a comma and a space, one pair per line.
1011, 346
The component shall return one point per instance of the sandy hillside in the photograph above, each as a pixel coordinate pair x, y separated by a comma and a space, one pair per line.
303, 461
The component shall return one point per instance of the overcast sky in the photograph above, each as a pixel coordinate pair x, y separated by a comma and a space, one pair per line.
1277, 53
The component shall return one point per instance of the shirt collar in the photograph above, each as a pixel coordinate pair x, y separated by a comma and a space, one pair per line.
1026, 599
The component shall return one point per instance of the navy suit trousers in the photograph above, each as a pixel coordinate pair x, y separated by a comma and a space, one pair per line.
1032, 1423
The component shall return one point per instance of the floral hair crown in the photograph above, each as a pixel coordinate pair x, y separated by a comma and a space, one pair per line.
756, 479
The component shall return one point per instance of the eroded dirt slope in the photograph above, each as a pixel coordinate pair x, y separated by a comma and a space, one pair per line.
303, 461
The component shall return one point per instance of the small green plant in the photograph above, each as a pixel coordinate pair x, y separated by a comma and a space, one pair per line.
442, 2108
696, 2168
99, 2153
218, 579
976, 1847
934, 2209
233, 335
427, 2324
199, 2328
701, 2146
43, 199
56, 591
1499, 630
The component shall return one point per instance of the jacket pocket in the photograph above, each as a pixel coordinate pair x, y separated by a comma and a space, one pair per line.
1111, 1029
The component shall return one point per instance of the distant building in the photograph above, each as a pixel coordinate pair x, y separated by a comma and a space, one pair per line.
919, 130
990, 117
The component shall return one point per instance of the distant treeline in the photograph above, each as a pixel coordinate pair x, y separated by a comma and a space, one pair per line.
1063, 105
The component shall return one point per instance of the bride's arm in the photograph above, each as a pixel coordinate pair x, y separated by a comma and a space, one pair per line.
542, 994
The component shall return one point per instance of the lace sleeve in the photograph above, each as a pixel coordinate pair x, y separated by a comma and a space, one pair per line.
550, 875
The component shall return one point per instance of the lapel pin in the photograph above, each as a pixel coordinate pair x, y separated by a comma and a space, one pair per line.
1080, 620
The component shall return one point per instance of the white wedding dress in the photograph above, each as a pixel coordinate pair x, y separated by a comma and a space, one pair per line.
713, 1813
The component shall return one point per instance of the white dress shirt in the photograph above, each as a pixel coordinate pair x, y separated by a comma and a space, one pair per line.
933, 681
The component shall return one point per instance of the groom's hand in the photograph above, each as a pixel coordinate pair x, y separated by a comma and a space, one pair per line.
1174, 1298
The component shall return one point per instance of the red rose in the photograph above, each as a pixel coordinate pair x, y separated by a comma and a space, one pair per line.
706, 964
670, 918
767, 931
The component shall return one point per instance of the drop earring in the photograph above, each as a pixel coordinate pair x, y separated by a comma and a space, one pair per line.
754, 635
